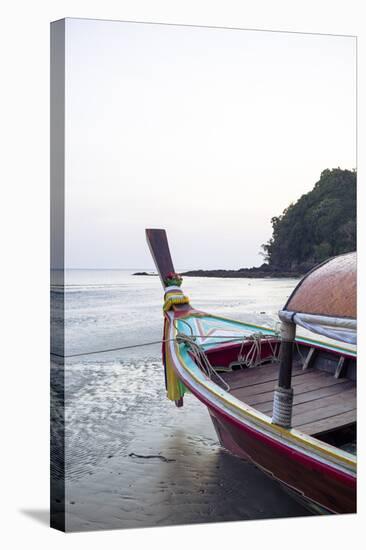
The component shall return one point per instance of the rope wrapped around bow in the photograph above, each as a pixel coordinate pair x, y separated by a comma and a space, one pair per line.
174, 296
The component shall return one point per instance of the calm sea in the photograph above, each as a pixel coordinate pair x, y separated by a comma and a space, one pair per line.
132, 458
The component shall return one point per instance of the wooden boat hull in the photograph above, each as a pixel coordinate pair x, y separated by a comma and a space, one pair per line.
328, 489
307, 468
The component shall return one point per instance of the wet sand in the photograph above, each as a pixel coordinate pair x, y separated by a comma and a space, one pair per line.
134, 460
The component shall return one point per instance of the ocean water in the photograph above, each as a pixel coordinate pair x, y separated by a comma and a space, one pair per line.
132, 458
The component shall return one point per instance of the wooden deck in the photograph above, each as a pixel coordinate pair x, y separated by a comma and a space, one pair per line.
321, 401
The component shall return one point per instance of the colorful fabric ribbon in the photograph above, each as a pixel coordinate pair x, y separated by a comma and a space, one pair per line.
174, 296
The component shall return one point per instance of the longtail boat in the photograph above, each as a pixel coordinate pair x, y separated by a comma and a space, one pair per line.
286, 403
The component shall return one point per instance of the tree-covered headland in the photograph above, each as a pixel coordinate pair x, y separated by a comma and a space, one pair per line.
321, 224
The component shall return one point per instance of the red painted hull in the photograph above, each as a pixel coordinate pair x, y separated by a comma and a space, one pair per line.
331, 490
322, 484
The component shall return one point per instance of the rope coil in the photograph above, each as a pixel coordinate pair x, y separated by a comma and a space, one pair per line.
282, 406
253, 357
200, 358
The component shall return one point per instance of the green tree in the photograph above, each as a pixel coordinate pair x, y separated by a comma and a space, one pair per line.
321, 224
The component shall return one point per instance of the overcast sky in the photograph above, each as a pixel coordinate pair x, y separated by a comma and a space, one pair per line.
208, 133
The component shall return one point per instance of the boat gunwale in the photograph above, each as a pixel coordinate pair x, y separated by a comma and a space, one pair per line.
317, 343
243, 413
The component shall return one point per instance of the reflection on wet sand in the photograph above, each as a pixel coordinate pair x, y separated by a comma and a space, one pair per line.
152, 464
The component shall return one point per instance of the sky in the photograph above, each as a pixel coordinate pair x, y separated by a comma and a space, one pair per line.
205, 132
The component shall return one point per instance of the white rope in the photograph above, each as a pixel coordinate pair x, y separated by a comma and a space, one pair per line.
253, 357
282, 406
303, 359
200, 358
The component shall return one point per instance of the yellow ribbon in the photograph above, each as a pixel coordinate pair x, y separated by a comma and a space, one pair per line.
174, 298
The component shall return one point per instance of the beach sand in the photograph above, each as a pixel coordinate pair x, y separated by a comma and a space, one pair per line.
134, 460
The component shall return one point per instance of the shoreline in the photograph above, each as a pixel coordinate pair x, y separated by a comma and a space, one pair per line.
245, 273
250, 273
